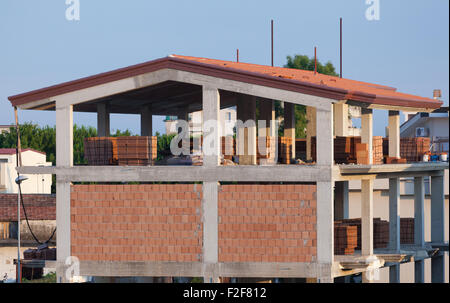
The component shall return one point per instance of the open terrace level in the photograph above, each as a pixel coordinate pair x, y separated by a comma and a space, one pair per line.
257, 219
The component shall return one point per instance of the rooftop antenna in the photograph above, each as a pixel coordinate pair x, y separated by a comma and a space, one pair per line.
237, 55
340, 74
272, 40
315, 60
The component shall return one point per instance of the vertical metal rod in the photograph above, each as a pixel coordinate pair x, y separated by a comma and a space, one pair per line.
272, 41
315, 60
19, 271
340, 53
237, 55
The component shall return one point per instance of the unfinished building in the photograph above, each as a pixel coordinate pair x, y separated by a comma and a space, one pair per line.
240, 221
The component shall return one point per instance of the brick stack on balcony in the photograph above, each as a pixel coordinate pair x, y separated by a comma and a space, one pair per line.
380, 231
137, 151
362, 153
345, 238
377, 150
100, 150
284, 150
266, 150
300, 149
411, 149
228, 147
407, 230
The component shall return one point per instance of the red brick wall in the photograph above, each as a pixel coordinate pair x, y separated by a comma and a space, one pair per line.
267, 223
136, 222
38, 207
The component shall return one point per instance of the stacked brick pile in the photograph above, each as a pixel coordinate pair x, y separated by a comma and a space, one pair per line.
37, 254
377, 150
380, 231
284, 150
362, 153
100, 150
266, 149
300, 149
407, 230
411, 149
345, 149
138, 151
228, 147
345, 238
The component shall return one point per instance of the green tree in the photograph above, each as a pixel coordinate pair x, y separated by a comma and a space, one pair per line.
305, 63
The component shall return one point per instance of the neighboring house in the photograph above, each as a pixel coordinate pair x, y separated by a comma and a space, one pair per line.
5, 128
433, 125
36, 184
227, 122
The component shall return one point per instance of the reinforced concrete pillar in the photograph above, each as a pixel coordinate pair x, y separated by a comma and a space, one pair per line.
367, 131
289, 125
419, 211
64, 158
394, 134
103, 125
211, 127
419, 271
367, 217
310, 130
210, 221
394, 273
146, 121
267, 114
325, 192
341, 119
341, 206
246, 130
437, 227
394, 215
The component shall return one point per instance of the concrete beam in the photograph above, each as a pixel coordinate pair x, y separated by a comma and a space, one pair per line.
367, 217
394, 215
63, 232
64, 136
419, 211
340, 119
103, 125
311, 127
281, 173
394, 134
211, 127
146, 121
367, 131
289, 125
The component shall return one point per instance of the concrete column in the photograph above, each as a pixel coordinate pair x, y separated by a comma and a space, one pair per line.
367, 131
437, 227
183, 121
367, 217
325, 223
289, 124
103, 126
325, 138
341, 207
394, 215
310, 130
394, 134
210, 221
64, 158
325, 190
246, 130
146, 121
419, 271
419, 212
267, 114
211, 127
341, 119
394, 274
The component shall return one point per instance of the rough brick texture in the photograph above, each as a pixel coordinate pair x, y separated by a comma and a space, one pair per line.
267, 223
38, 207
136, 222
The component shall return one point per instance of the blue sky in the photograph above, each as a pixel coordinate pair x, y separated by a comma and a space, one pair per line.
407, 48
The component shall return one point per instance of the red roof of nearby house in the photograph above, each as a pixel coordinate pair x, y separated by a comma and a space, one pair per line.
306, 82
12, 151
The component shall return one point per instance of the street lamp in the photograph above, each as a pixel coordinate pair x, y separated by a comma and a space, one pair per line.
19, 181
